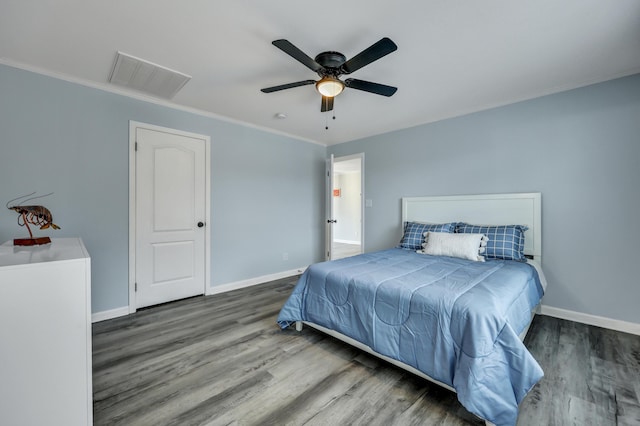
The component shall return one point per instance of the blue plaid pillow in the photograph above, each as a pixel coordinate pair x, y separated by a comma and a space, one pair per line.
413, 236
505, 242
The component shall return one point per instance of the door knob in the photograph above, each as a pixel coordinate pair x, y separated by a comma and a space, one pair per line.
200, 224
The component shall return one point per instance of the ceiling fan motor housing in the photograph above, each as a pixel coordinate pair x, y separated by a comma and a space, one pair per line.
331, 62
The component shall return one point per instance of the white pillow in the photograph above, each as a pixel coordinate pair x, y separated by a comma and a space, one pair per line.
464, 246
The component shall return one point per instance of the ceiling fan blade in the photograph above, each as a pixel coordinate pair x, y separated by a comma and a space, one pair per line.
287, 86
297, 54
367, 86
370, 54
327, 104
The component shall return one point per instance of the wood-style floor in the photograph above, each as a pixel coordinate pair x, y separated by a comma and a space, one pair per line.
222, 360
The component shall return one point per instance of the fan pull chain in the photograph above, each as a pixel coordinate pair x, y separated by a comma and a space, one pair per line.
326, 119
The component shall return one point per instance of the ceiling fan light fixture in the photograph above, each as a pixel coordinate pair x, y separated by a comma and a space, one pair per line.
329, 86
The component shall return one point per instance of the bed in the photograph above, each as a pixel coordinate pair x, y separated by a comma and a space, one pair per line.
452, 303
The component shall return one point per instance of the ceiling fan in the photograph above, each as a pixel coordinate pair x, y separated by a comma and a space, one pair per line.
331, 65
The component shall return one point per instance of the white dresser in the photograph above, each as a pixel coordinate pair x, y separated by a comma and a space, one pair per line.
45, 334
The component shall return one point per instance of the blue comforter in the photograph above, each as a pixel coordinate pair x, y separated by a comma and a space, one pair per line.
455, 320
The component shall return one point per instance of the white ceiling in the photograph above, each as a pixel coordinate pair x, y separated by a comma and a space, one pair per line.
454, 56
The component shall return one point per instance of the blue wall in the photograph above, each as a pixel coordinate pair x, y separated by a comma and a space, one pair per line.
267, 190
580, 149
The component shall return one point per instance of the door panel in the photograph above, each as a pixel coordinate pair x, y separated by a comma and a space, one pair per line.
174, 189
173, 261
170, 201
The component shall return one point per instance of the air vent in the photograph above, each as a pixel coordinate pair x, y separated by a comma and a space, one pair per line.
147, 77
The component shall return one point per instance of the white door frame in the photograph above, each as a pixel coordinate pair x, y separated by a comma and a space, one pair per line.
133, 125
328, 238
329, 214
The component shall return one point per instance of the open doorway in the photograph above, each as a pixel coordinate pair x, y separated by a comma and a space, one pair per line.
347, 206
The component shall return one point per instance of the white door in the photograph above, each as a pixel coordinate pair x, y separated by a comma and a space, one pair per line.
170, 215
329, 209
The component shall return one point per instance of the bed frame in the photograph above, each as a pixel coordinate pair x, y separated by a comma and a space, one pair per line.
490, 209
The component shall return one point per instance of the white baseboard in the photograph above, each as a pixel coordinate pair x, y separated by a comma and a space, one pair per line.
120, 312
222, 288
112, 313
612, 324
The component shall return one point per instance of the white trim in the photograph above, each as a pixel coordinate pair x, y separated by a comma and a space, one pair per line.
362, 210
133, 125
223, 288
110, 314
598, 321
328, 207
145, 98
132, 216
207, 212
609, 323
124, 310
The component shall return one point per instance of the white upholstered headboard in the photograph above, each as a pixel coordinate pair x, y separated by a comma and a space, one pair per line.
490, 209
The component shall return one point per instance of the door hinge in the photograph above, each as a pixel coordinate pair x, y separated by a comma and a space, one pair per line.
136, 146
328, 254
135, 285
